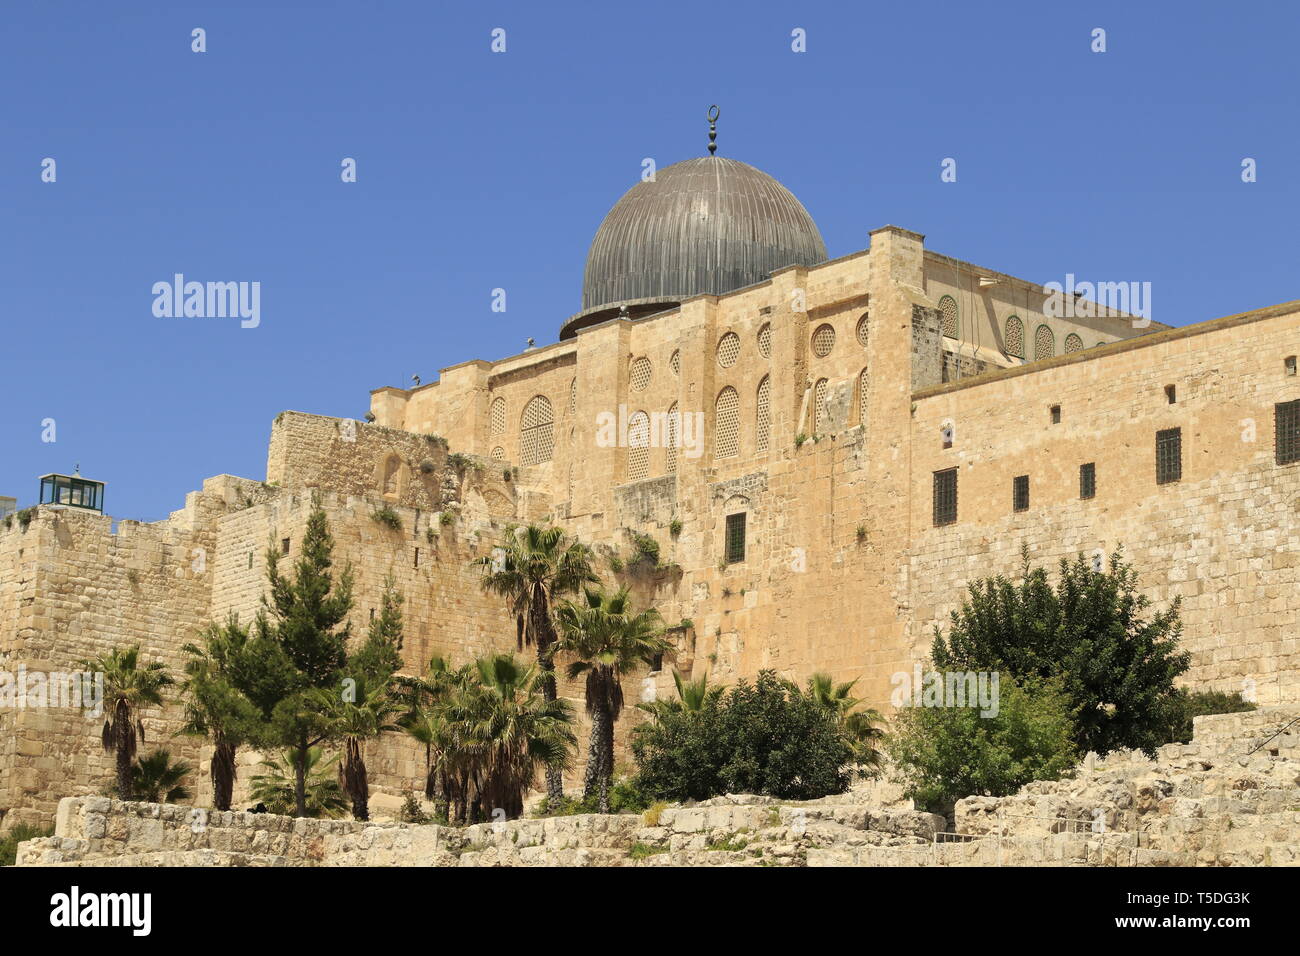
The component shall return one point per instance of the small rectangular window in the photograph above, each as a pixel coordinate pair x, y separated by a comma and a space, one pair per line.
1088, 480
736, 538
1169, 455
1056, 414
417, 557
1289, 364
945, 496
250, 560
1171, 394
658, 663
1286, 431
284, 545
1020, 493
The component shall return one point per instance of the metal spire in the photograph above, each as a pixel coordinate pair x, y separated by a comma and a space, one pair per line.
714, 112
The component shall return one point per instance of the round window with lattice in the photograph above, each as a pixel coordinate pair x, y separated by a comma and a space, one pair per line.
1073, 343
823, 340
728, 349
641, 374
536, 431
862, 330
675, 362
765, 340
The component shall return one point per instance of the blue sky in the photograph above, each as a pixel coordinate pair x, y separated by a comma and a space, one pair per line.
479, 170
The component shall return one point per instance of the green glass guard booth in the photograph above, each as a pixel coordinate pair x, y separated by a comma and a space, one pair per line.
72, 491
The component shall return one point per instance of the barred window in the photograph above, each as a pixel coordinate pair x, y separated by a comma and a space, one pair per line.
638, 446
1013, 337
1088, 480
537, 431
949, 323
499, 416
819, 406
736, 538
641, 374
674, 430
1020, 493
728, 349
675, 362
765, 340
1286, 431
862, 330
763, 416
726, 424
1073, 343
945, 496
1169, 455
1044, 343
823, 340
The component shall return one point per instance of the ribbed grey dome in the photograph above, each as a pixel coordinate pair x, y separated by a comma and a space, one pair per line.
704, 225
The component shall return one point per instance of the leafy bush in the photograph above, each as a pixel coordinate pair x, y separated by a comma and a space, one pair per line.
1185, 705
624, 797
1116, 662
942, 754
21, 833
764, 737
388, 517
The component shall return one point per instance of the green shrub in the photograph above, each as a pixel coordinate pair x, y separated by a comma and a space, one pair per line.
1185, 705
387, 517
942, 754
764, 737
624, 797
675, 527
21, 833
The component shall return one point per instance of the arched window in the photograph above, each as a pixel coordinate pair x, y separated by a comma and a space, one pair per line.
1044, 343
819, 406
675, 362
765, 340
862, 397
573, 396
1013, 337
392, 470
638, 446
1073, 343
536, 431
949, 323
763, 416
863, 330
673, 432
726, 424
498, 417
498, 454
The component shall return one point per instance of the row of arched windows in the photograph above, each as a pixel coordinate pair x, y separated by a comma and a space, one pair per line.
1013, 333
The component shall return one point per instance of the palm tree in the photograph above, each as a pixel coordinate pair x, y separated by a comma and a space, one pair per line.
425, 719
214, 707
520, 730
861, 728
532, 570
278, 786
371, 711
155, 779
608, 639
128, 687
692, 696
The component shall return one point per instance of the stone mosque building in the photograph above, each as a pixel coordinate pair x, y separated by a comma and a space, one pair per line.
826, 452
